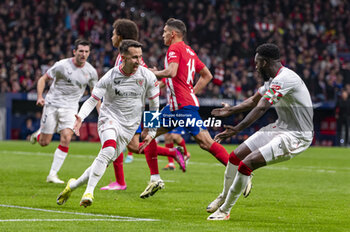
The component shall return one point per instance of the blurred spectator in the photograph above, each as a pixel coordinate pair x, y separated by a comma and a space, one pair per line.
314, 37
27, 129
343, 118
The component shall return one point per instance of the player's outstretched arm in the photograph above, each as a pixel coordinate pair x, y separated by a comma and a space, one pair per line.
40, 89
246, 105
253, 115
205, 77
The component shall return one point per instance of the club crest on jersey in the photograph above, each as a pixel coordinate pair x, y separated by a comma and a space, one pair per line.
139, 82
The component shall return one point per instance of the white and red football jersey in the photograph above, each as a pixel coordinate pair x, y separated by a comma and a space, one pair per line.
181, 86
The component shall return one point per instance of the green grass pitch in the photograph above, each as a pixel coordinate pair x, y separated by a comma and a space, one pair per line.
308, 193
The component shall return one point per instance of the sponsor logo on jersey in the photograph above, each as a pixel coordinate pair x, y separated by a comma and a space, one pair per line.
172, 55
156, 83
116, 81
276, 87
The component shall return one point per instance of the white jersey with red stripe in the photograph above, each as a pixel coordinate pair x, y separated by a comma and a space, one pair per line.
181, 86
292, 101
69, 83
124, 96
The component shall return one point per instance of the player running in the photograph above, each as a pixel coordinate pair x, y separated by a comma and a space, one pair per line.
127, 29
124, 90
290, 135
181, 64
70, 77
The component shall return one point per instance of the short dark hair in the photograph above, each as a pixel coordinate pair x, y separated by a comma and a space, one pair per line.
81, 42
126, 28
177, 24
127, 43
269, 51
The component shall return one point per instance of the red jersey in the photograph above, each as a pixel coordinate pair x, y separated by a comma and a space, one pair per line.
181, 86
118, 61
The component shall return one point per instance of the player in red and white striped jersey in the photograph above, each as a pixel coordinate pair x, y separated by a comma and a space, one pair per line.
181, 64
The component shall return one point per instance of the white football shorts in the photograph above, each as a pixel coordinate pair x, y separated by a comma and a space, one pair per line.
55, 119
121, 135
277, 145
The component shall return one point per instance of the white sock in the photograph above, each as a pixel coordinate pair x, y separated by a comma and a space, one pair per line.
81, 180
239, 183
155, 177
98, 168
58, 159
230, 174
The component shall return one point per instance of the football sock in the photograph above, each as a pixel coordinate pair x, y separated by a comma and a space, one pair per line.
165, 151
155, 177
98, 168
151, 157
81, 180
169, 145
239, 183
219, 152
130, 153
119, 170
230, 173
183, 144
58, 159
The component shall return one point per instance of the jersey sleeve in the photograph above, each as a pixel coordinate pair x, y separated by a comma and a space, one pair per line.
101, 87
93, 79
152, 87
173, 55
51, 72
199, 65
278, 88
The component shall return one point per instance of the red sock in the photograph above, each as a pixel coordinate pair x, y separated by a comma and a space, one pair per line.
130, 153
234, 159
169, 145
151, 157
165, 151
38, 137
119, 170
244, 169
183, 144
219, 152
62, 148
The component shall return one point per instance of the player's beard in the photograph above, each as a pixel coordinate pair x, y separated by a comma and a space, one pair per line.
264, 75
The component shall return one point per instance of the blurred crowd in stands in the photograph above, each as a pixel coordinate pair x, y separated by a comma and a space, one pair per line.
314, 38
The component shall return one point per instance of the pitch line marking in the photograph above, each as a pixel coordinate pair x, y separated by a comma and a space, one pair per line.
66, 220
77, 213
307, 168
